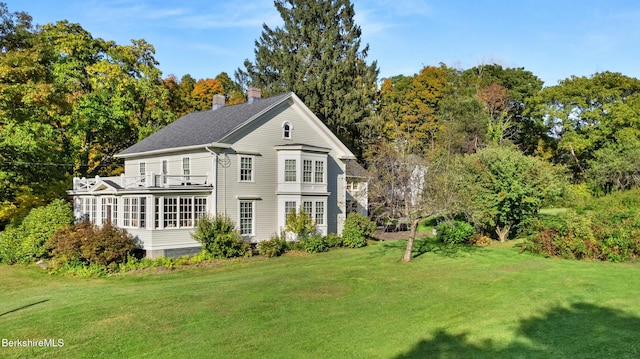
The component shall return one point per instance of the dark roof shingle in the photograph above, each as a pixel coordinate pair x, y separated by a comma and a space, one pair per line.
201, 128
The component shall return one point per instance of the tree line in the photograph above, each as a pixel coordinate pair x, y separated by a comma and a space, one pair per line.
69, 102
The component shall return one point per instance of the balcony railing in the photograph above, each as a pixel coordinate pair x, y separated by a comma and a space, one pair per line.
150, 180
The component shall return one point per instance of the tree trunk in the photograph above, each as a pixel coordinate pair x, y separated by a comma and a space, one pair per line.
502, 233
407, 252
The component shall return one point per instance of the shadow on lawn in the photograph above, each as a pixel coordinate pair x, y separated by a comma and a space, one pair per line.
579, 331
23, 307
431, 245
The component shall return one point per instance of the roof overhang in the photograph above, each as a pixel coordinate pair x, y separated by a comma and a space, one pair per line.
302, 147
175, 149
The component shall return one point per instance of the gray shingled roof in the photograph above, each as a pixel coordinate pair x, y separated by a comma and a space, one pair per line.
201, 128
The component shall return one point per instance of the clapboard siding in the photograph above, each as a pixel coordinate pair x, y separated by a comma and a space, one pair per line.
262, 139
200, 161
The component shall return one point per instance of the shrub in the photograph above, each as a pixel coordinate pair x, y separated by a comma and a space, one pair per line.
605, 228
40, 224
219, 237
357, 229
295, 246
85, 244
108, 246
10, 246
300, 224
27, 242
273, 247
333, 240
480, 240
456, 232
314, 244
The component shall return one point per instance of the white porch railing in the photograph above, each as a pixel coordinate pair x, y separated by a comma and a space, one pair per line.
84, 184
150, 180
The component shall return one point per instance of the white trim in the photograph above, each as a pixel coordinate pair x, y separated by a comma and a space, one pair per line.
303, 148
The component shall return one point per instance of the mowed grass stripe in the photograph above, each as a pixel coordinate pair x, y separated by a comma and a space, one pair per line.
364, 303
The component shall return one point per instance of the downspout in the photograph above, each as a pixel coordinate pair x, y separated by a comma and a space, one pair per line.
214, 181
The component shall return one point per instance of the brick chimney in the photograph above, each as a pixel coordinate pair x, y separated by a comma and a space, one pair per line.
218, 101
253, 93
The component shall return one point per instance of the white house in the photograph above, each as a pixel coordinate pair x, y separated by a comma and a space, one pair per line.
253, 162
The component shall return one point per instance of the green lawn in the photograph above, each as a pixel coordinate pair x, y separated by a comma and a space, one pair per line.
360, 303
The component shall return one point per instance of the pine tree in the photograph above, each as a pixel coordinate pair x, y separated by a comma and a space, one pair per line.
317, 55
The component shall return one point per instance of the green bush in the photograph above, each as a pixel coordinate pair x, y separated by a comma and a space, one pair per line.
314, 244
273, 247
86, 244
357, 230
333, 240
27, 242
456, 232
606, 228
219, 237
10, 246
300, 223
295, 246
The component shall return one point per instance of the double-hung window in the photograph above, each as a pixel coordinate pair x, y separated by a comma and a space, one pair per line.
126, 218
135, 212
165, 171
320, 213
290, 174
246, 169
200, 207
143, 212
319, 173
307, 170
186, 212
246, 218
170, 212
308, 208
186, 168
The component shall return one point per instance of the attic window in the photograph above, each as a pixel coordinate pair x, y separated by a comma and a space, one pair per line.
286, 130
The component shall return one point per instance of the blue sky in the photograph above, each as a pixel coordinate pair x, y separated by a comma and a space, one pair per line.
552, 39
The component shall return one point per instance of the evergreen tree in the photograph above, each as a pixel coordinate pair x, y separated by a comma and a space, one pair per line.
317, 55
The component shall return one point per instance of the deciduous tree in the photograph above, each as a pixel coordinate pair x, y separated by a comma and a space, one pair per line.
509, 188
587, 113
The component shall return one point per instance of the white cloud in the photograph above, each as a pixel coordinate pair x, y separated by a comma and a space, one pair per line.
371, 25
